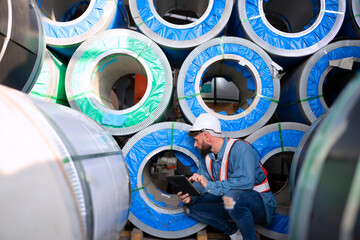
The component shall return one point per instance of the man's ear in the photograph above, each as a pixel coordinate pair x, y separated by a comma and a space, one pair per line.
207, 137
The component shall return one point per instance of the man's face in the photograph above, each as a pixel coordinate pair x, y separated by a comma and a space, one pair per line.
200, 143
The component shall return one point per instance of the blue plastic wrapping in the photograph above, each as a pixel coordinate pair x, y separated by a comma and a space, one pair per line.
67, 31
283, 139
266, 79
290, 104
138, 152
287, 46
180, 34
178, 41
292, 43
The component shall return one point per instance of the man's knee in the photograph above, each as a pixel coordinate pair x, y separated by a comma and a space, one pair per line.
229, 202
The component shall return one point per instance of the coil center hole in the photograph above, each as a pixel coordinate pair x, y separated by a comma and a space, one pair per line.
291, 16
181, 12
62, 11
227, 87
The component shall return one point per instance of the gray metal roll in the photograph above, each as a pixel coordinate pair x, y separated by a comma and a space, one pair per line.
303, 91
239, 61
288, 28
177, 40
100, 62
326, 204
301, 151
351, 25
22, 44
61, 175
270, 141
68, 23
50, 84
154, 210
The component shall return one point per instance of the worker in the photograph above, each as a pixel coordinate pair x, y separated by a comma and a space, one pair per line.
235, 192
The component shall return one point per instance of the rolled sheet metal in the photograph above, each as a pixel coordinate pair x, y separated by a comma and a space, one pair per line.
326, 17
177, 40
351, 25
22, 44
302, 96
259, 86
100, 61
272, 139
301, 151
153, 211
50, 84
60, 173
327, 199
69, 23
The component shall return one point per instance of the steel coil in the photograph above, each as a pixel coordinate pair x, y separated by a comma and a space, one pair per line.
60, 172
97, 65
69, 23
289, 29
50, 84
326, 201
351, 25
301, 151
22, 44
302, 91
268, 141
177, 40
152, 210
228, 57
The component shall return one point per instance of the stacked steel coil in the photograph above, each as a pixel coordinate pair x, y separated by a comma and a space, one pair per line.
62, 173
263, 68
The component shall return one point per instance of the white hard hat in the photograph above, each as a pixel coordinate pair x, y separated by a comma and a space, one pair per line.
207, 122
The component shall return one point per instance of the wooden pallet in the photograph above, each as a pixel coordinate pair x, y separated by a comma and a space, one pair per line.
137, 234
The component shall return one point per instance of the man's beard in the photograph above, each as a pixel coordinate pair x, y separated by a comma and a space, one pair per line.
205, 149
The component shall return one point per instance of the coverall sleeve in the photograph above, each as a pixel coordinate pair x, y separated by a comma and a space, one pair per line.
241, 170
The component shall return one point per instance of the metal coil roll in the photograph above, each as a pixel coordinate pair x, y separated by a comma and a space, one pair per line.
326, 201
69, 23
302, 91
99, 63
289, 29
22, 44
227, 57
177, 40
268, 141
351, 25
301, 151
153, 210
50, 84
69, 174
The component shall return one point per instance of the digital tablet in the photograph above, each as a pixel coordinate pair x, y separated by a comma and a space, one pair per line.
182, 184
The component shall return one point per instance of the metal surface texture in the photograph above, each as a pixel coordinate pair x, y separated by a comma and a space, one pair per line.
22, 44
206, 61
87, 182
326, 202
100, 62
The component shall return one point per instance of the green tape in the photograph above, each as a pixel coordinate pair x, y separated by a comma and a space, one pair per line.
155, 15
252, 18
83, 84
190, 96
147, 111
267, 98
300, 101
281, 139
90, 91
172, 135
137, 189
46, 96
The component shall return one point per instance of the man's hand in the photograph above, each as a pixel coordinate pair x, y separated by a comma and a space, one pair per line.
185, 198
200, 179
